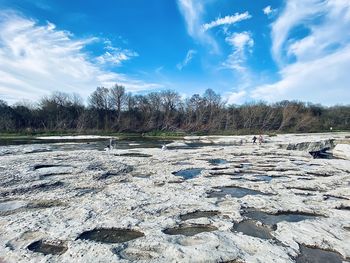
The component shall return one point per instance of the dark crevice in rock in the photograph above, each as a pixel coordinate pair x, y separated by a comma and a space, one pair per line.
108, 174
134, 155
343, 207
219, 168
305, 188
42, 186
40, 166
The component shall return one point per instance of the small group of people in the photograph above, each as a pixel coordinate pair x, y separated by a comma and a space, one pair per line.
260, 139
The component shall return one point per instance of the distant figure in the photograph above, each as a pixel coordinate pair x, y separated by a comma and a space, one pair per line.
254, 139
111, 144
261, 139
109, 147
164, 147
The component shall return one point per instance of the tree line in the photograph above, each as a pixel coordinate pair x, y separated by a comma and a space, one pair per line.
114, 110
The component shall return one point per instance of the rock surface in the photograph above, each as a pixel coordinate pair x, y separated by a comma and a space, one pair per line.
342, 151
53, 197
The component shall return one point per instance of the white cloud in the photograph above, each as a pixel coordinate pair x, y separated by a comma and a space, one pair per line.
241, 43
268, 10
236, 97
320, 60
227, 20
38, 59
189, 56
192, 11
325, 80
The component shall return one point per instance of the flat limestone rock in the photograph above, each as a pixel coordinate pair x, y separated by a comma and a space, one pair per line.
57, 195
342, 151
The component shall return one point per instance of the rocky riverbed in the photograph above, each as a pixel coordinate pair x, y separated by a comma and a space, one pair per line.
227, 200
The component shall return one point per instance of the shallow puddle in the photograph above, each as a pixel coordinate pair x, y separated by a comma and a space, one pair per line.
246, 165
198, 214
251, 228
217, 161
189, 230
188, 173
316, 255
334, 197
47, 248
233, 191
110, 235
12, 205
273, 219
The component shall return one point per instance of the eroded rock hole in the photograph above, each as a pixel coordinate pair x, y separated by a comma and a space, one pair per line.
198, 214
110, 235
253, 228
217, 161
234, 191
189, 173
190, 230
316, 255
47, 248
273, 219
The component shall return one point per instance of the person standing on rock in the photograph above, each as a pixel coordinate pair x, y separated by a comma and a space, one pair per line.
254, 139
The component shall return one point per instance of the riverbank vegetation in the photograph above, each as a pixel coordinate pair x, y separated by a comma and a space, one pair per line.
165, 113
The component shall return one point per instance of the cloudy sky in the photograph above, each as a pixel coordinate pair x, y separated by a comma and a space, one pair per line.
246, 50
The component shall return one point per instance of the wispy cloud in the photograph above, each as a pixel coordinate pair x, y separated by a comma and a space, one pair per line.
227, 20
189, 56
320, 59
192, 11
241, 44
38, 59
296, 13
115, 55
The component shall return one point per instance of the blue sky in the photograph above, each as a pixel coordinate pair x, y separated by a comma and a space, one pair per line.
246, 50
